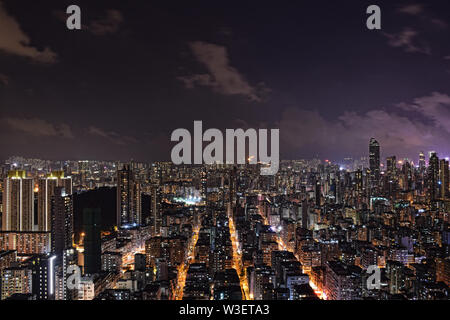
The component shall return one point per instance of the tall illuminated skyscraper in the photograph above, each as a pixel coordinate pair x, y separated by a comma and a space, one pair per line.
359, 181
433, 177
83, 172
155, 208
128, 198
62, 222
18, 208
374, 160
43, 276
391, 165
422, 164
46, 190
443, 179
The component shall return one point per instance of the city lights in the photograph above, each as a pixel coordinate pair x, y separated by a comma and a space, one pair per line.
219, 159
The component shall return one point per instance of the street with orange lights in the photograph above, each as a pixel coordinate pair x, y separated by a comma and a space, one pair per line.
128, 258
183, 268
237, 258
282, 246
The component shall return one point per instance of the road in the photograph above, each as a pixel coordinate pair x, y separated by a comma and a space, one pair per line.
237, 258
282, 246
183, 268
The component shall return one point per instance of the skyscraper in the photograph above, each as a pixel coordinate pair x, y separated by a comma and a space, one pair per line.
391, 165
374, 160
155, 209
443, 179
422, 162
305, 222
83, 172
70, 260
318, 193
128, 198
92, 240
43, 269
433, 177
46, 190
407, 175
18, 208
359, 181
62, 222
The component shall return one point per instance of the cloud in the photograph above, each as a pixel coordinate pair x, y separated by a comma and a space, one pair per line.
38, 127
424, 125
4, 79
435, 108
199, 79
418, 10
221, 76
412, 9
407, 40
107, 24
439, 23
14, 41
111, 136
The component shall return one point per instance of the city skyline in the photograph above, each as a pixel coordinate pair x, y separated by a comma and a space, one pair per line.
241, 152
93, 230
363, 159
116, 88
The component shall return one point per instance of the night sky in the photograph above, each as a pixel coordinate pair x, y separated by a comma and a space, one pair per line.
138, 70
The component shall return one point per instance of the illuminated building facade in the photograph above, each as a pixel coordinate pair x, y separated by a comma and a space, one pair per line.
374, 160
15, 280
18, 204
46, 190
62, 221
128, 199
32, 242
443, 179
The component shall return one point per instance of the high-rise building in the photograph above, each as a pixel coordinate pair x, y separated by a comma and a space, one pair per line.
359, 181
25, 242
443, 270
44, 280
128, 199
155, 209
62, 222
15, 280
83, 172
153, 249
422, 165
70, 261
391, 165
46, 189
374, 160
92, 240
343, 282
7, 258
111, 261
395, 274
18, 204
433, 177
86, 290
318, 193
443, 179
407, 175
304, 210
